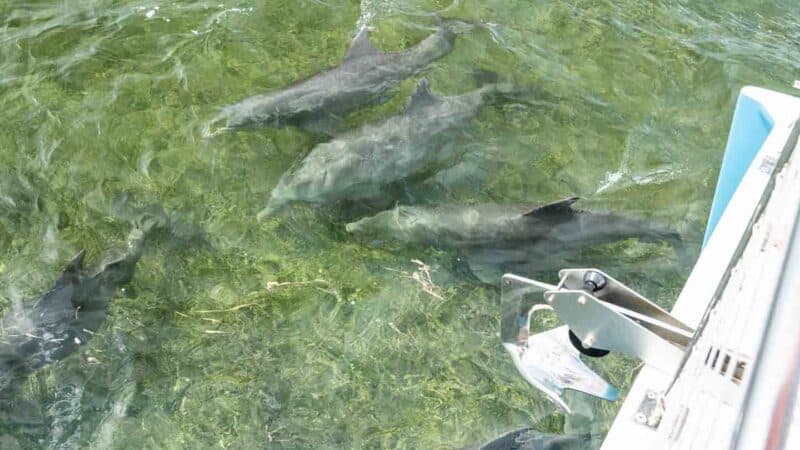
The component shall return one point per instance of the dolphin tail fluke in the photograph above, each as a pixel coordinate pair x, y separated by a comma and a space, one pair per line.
149, 219
508, 92
146, 218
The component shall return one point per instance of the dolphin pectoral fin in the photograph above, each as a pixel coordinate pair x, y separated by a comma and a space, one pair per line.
421, 97
456, 26
486, 265
554, 208
326, 125
483, 76
361, 45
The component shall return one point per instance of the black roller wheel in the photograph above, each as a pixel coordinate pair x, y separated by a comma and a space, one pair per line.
591, 352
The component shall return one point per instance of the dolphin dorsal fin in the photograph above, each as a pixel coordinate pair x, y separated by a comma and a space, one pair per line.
422, 96
361, 45
557, 207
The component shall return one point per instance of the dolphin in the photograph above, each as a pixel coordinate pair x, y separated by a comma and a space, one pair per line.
362, 164
66, 317
530, 439
499, 238
364, 77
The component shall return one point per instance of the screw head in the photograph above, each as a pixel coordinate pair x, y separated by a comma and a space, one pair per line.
640, 418
581, 300
594, 281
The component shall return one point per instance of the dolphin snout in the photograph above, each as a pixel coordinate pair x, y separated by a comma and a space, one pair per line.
273, 208
215, 126
352, 227
264, 213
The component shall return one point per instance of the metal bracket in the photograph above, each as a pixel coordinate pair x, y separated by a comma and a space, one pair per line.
605, 314
545, 359
651, 410
601, 315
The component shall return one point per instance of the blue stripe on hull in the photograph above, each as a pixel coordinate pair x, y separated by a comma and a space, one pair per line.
749, 129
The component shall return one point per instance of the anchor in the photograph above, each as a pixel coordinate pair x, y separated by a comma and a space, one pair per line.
599, 315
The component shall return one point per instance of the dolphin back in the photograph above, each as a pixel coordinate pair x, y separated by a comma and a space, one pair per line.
43, 332
363, 77
67, 316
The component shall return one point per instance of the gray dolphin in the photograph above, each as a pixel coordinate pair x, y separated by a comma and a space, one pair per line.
497, 238
361, 164
66, 317
363, 77
530, 439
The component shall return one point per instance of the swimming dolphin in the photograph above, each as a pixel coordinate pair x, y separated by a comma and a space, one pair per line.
65, 318
365, 75
497, 238
362, 164
530, 439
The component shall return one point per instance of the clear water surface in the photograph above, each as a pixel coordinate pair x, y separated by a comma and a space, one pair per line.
289, 333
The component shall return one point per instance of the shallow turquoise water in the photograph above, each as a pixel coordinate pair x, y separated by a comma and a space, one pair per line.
204, 349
